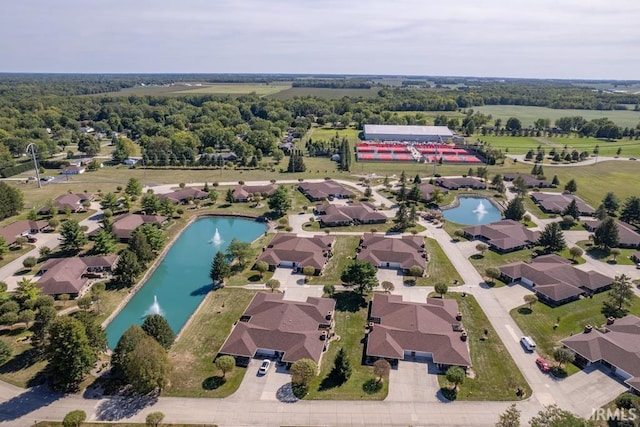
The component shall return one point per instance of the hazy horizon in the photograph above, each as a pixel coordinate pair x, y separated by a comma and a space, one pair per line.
571, 39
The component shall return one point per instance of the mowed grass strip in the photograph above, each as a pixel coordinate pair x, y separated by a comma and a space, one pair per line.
194, 373
496, 375
570, 318
22, 369
439, 267
351, 318
343, 252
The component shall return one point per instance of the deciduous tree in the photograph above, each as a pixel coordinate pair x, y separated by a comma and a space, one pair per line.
361, 275
455, 375
147, 367
127, 269
280, 202
381, 368
69, 352
226, 364
158, 328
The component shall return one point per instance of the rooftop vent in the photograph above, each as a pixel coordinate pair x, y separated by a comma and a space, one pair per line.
611, 320
587, 328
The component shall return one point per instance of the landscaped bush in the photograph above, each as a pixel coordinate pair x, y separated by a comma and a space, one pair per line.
29, 262
372, 386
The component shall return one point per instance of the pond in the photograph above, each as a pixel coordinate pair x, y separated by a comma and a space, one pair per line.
473, 211
179, 284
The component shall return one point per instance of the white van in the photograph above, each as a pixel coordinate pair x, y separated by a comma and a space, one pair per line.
528, 344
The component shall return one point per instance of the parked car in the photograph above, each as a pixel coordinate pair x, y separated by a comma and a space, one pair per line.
264, 368
528, 344
31, 239
543, 365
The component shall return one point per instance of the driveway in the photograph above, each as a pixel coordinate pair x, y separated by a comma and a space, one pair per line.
390, 275
293, 286
512, 296
413, 381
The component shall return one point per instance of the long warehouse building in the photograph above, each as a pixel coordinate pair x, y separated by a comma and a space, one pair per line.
408, 133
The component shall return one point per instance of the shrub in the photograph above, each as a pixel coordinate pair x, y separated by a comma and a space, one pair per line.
416, 271
74, 419
154, 418
308, 271
5, 352
372, 386
29, 262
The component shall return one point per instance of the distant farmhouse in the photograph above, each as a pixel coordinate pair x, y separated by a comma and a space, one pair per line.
400, 330
616, 346
407, 133
554, 280
289, 250
286, 330
503, 236
355, 214
557, 203
389, 252
73, 170
316, 191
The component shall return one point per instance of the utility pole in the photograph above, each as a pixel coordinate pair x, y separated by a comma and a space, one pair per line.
32, 147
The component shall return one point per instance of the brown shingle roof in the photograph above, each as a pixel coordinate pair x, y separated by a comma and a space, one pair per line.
72, 201
406, 251
620, 346
465, 182
529, 180
124, 225
427, 190
184, 194
293, 328
504, 235
554, 202
244, 192
20, 228
66, 275
304, 251
422, 327
324, 189
357, 212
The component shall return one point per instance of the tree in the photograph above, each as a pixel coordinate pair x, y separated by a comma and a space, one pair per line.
296, 162
368, 192
520, 186
381, 368
139, 245
571, 186
89, 145
104, 243
229, 196
84, 303
273, 284
611, 203
575, 252
127, 269
615, 252
492, 273
482, 248
552, 238
29, 262
27, 290
239, 251
341, 367
158, 328
73, 238
441, 288
94, 331
150, 204
510, 417
515, 209
127, 342
387, 286
631, 210
280, 202
4, 248
69, 352
154, 419
133, 188
155, 236
329, 289
513, 124
147, 367
553, 416
109, 201
572, 210
11, 200
620, 295
74, 419
455, 375
262, 267
5, 352
530, 299
302, 371
563, 355
226, 364
606, 234
361, 274
555, 181
213, 196
40, 328
220, 268
124, 148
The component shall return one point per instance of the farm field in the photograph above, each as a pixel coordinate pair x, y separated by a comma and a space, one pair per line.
528, 114
520, 145
205, 89
326, 133
326, 93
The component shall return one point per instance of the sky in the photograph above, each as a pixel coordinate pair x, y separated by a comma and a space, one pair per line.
570, 39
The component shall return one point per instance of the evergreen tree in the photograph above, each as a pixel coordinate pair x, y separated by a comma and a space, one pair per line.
415, 194
280, 202
620, 296
104, 243
296, 162
417, 179
229, 197
631, 210
345, 155
341, 367
611, 204
571, 186
150, 204
555, 181
127, 269
520, 186
158, 328
220, 268
139, 245
572, 210
552, 238
606, 235
73, 238
515, 209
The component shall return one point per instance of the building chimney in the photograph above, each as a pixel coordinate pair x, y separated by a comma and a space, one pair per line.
458, 316
323, 336
587, 328
329, 315
611, 320
464, 336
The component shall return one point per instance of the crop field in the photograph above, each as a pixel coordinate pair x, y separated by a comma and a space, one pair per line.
528, 115
629, 148
205, 89
326, 133
326, 93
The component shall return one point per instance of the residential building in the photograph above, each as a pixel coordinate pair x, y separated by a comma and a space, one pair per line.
72, 201
73, 170
244, 193
21, 229
184, 195
503, 236
458, 183
529, 180
627, 235
289, 250
390, 252
407, 133
400, 330
616, 346
554, 280
557, 203
355, 214
427, 189
124, 225
72, 275
286, 330
316, 191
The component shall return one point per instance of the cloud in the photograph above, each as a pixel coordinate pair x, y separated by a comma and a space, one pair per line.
516, 38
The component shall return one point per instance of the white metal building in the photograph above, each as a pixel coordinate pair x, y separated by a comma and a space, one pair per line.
407, 133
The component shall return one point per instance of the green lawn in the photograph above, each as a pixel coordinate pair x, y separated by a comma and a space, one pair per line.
510, 144
439, 268
351, 318
237, 89
194, 374
592, 251
343, 252
629, 148
494, 259
496, 375
365, 228
15, 253
539, 324
22, 369
247, 275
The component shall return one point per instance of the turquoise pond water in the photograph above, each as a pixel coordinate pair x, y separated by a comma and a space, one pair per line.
181, 281
473, 211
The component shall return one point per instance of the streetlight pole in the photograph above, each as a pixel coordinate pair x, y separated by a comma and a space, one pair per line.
32, 147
